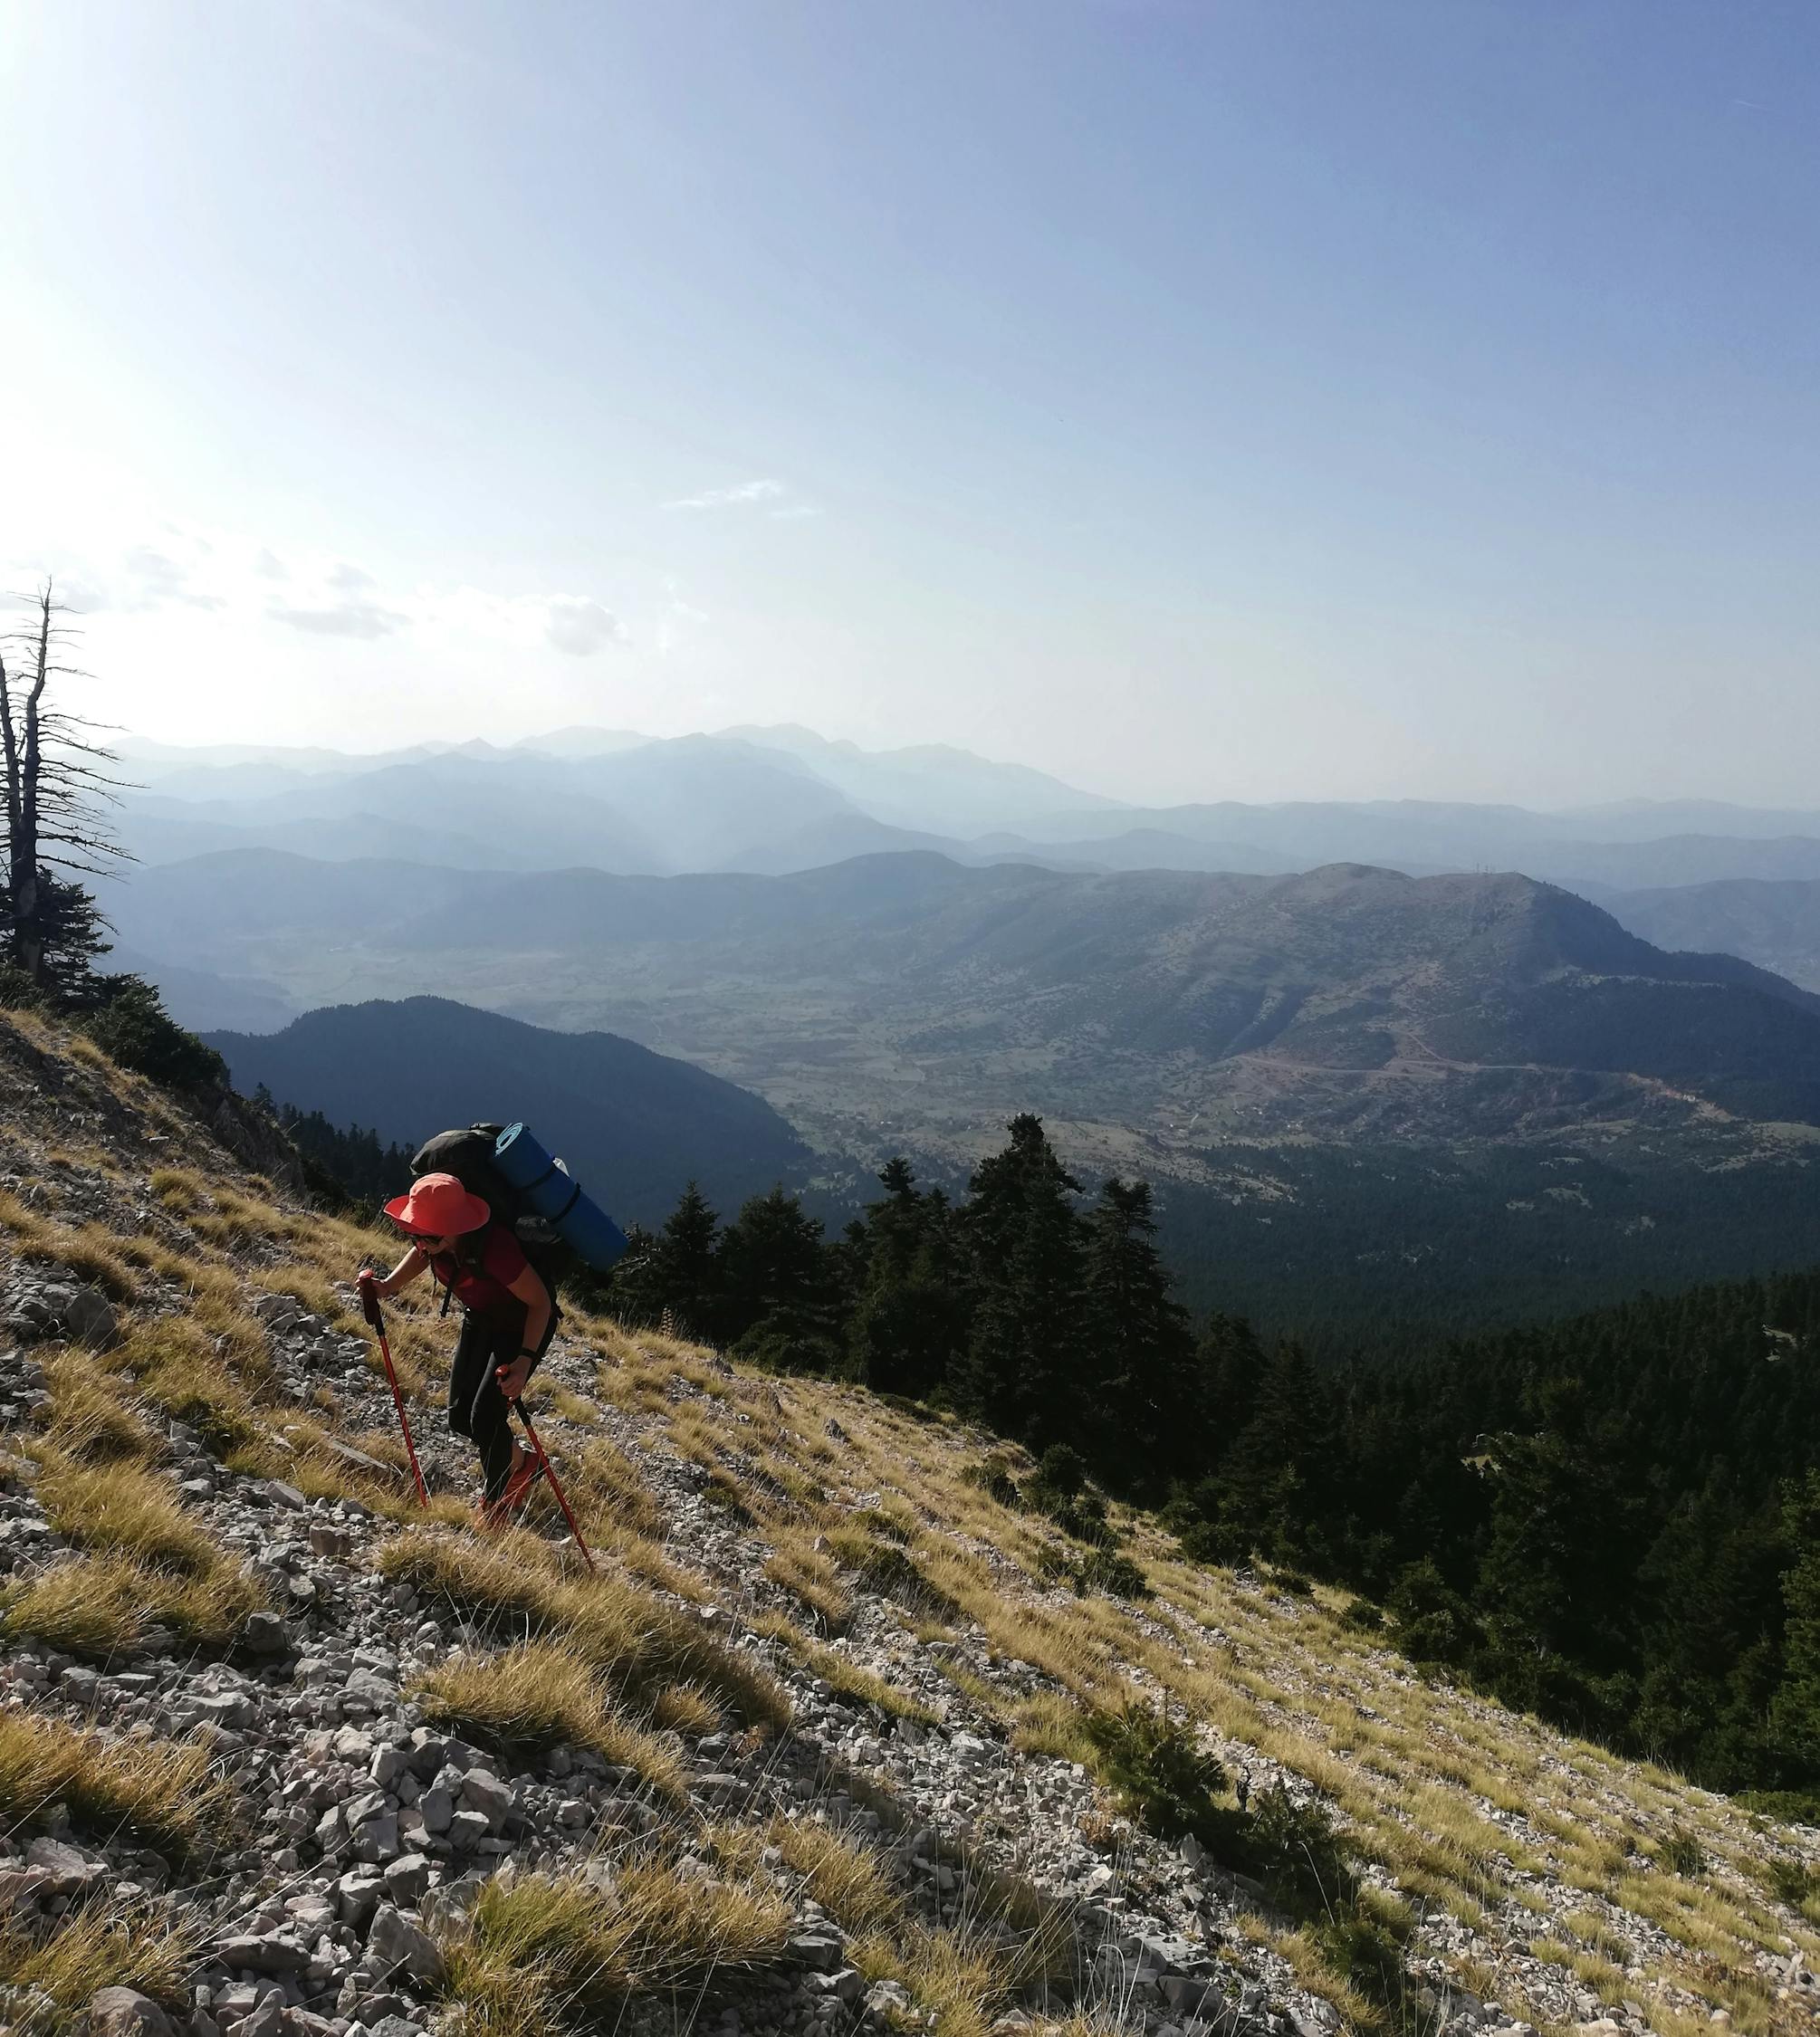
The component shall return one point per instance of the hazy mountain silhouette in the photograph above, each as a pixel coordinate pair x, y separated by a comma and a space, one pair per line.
634, 1126
785, 799
1775, 925
1266, 1000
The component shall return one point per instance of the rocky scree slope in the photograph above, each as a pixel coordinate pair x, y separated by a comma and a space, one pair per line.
837, 1741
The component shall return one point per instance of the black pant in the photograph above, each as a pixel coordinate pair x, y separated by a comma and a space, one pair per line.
477, 1409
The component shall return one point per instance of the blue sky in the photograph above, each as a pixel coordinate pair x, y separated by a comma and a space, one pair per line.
1266, 399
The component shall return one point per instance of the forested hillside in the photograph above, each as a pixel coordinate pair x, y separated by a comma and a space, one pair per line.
1604, 1520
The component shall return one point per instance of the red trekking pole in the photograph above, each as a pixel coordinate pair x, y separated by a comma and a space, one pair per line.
548, 1471
370, 1308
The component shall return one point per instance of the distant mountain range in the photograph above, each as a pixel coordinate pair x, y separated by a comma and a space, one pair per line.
1182, 1004
1775, 925
776, 801
634, 1127
1451, 1098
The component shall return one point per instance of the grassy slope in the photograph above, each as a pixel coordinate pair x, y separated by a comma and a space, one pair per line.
1482, 1822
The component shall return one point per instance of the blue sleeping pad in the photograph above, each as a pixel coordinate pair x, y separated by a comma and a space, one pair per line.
580, 1221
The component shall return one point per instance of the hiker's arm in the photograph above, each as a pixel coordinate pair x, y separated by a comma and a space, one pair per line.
529, 1289
401, 1276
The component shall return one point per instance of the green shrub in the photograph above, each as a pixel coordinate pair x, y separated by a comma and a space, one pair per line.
1785, 1807
1362, 1617
1106, 1569
993, 1475
128, 1021
1162, 1775
1061, 1472
1363, 1952
1296, 1850
1793, 1882
1212, 1542
18, 992
1430, 1622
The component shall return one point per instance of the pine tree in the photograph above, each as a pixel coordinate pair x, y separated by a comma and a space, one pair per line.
778, 1284
1797, 1700
1280, 1464
910, 1317
1024, 1370
1141, 1350
675, 1272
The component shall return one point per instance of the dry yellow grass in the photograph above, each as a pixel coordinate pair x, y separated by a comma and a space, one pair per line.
162, 1794
810, 1578
553, 1951
109, 1945
637, 1643
94, 1610
839, 1870
89, 1421
537, 1696
133, 1512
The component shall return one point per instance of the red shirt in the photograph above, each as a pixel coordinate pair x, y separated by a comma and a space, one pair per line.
482, 1281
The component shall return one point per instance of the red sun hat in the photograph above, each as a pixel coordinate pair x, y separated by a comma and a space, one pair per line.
439, 1206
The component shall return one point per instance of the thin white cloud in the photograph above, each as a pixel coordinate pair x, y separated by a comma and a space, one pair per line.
581, 626
363, 619
156, 577
745, 493
323, 595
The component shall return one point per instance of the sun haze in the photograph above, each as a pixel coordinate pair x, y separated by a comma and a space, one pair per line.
1252, 400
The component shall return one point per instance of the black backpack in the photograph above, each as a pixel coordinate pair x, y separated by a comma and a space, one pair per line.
467, 1154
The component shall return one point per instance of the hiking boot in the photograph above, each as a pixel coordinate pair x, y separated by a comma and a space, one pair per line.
525, 1473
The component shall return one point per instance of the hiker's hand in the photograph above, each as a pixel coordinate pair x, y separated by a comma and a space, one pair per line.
366, 1285
515, 1377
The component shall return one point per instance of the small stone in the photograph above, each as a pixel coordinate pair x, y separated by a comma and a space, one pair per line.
395, 1945
356, 1896
264, 1634
388, 1765
123, 2012
466, 1830
408, 1879
377, 1839
269, 1953
66, 1872
483, 1792
847, 1985
821, 1954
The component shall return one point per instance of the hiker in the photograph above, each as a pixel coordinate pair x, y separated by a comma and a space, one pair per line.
509, 1316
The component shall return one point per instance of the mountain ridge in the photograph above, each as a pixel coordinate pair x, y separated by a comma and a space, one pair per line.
749, 799
636, 1125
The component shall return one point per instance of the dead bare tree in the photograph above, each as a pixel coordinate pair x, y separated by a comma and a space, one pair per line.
60, 790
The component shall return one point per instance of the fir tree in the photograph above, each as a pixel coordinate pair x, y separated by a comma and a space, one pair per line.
1143, 1399
676, 1273
910, 1318
778, 1281
1025, 1366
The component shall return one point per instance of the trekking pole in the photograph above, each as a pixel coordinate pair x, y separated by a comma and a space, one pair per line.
370, 1308
548, 1471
